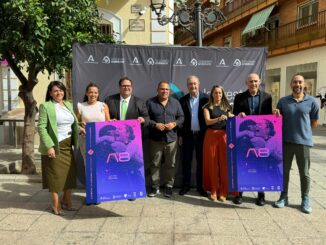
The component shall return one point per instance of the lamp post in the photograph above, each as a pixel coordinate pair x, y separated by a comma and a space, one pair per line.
196, 20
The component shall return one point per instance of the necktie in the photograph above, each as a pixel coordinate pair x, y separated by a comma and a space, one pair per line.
123, 110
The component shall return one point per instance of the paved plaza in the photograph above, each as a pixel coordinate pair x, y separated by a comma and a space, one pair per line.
25, 216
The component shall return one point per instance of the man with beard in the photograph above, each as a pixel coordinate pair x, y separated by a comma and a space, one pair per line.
300, 113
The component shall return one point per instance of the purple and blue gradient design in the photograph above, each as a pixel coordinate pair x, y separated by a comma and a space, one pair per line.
114, 161
254, 150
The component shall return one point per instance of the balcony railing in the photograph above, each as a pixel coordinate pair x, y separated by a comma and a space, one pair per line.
237, 7
301, 30
231, 10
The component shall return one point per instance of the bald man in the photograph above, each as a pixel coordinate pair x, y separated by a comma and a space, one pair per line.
253, 101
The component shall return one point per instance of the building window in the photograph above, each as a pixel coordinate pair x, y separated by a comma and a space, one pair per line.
106, 29
9, 89
308, 71
308, 13
227, 42
272, 84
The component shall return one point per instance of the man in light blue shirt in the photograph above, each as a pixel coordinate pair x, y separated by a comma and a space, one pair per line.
300, 113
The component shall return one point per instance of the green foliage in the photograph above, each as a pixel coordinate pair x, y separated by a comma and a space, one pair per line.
42, 32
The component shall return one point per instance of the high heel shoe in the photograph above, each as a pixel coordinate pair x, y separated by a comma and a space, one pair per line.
65, 207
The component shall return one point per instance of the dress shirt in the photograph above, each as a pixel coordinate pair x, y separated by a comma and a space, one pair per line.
171, 112
194, 104
64, 121
127, 100
253, 102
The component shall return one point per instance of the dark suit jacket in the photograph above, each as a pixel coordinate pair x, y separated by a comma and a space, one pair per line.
241, 103
185, 104
136, 108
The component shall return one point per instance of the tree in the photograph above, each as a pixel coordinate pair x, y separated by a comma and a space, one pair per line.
37, 35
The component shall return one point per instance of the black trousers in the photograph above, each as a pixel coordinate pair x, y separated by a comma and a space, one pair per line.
191, 142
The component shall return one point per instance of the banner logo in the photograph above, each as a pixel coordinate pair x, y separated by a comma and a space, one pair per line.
194, 62
135, 61
91, 60
150, 61
237, 62
179, 62
222, 63
248, 62
106, 60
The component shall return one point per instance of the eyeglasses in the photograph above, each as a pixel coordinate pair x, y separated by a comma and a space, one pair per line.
125, 86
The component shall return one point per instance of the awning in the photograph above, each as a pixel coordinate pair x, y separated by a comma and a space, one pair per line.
258, 20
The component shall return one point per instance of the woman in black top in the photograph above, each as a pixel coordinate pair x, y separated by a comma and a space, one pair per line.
216, 112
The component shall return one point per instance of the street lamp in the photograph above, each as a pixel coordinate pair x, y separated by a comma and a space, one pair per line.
195, 20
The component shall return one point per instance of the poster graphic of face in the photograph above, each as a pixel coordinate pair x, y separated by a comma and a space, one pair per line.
114, 161
255, 159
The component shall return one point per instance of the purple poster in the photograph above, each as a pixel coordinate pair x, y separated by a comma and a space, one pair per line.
254, 151
114, 161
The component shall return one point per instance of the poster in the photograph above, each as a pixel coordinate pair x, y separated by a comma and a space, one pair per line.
254, 150
114, 161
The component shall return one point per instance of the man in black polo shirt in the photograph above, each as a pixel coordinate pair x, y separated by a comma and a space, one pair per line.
166, 116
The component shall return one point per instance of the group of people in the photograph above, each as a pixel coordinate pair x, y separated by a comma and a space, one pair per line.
197, 123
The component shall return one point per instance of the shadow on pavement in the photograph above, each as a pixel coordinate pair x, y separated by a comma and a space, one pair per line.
29, 198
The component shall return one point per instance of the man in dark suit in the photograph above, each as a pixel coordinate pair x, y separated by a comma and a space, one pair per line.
252, 102
125, 105
191, 135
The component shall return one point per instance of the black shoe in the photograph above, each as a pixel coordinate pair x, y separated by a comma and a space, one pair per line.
202, 193
168, 192
237, 200
153, 192
131, 200
184, 191
260, 201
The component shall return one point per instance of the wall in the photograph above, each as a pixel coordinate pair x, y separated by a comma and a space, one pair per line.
302, 57
153, 33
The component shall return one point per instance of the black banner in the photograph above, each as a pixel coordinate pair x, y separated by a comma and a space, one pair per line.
105, 64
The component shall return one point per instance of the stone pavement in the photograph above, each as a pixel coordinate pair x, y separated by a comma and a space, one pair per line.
25, 216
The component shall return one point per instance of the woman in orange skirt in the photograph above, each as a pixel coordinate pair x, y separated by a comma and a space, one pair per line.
215, 175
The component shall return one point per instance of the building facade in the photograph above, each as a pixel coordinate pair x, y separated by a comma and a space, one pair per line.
293, 30
130, 22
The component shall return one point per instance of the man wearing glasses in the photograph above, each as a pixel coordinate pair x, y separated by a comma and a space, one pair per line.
125, 105
166, 116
